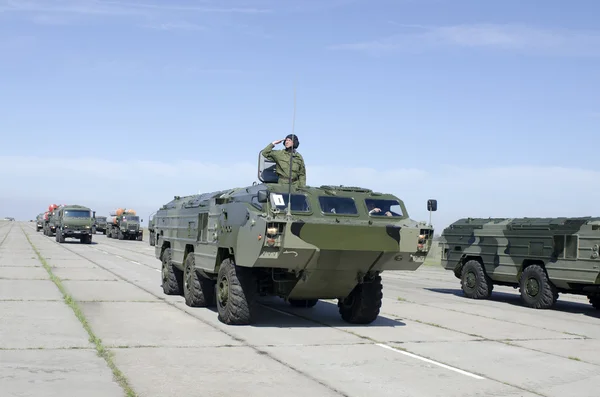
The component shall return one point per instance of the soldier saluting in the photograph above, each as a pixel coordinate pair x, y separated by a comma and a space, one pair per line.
282, 160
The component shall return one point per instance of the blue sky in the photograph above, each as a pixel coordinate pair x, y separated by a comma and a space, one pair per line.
492, 107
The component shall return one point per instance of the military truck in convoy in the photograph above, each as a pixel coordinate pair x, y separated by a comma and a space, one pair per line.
50, 220
74, 221
541, 256
39, 222
228, 247
124, 225
100, 225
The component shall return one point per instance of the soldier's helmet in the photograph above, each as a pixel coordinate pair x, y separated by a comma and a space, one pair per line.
296, 141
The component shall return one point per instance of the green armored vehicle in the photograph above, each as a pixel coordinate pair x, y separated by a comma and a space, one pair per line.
227, 247
125, 225
74, 221
100, 225
540, 256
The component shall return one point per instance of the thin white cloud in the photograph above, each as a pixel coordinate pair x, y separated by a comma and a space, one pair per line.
98, 7
145, 185
507, 37
171, 26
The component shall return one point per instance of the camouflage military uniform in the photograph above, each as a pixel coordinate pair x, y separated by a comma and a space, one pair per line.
282, 161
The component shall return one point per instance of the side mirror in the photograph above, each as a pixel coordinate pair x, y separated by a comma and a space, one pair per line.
141, 221
263, 196
431, 205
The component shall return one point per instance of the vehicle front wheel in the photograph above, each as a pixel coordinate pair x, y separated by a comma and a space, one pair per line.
474, 282
362, 305
235, 294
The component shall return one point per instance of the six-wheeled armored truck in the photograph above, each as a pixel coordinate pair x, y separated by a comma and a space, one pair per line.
124, 225
541, 256
74, 221
100, 224
227, 247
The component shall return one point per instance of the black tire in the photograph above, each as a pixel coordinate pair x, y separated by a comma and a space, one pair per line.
235, 293
120, 235
537, 291
303, 302
171, 278
362, 305
474, 283
197, 290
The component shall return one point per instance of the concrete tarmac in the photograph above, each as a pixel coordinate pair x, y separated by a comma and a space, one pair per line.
92, 320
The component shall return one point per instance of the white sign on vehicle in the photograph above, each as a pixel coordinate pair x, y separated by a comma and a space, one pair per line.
277, 199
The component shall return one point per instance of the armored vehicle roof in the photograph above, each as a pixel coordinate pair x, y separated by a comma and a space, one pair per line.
524, 223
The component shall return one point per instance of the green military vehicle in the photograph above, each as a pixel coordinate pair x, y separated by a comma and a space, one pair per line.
39, 222
100, 225
541, 256
50, 220
125, 225
151, 236
227, 247
74, 221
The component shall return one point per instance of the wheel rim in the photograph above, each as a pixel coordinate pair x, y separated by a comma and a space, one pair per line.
470, 280
223, 290
532, 287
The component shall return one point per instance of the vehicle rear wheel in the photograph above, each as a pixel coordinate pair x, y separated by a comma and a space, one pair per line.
197, 290
362, 305
235, 294
171, 277
537, 291
474, 282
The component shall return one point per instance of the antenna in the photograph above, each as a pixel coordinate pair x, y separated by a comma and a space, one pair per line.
289, 206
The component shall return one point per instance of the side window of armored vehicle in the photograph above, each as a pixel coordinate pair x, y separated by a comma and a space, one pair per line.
299, 202
565, 246
383, 207
338, 205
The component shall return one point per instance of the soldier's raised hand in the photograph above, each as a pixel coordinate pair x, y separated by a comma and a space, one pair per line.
277, 142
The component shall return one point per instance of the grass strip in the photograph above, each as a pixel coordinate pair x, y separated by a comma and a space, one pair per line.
100, 349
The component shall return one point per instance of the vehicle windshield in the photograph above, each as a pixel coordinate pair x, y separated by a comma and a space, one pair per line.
101, 218
299, 202
77, 214
131, 218
338, 205
383, 207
